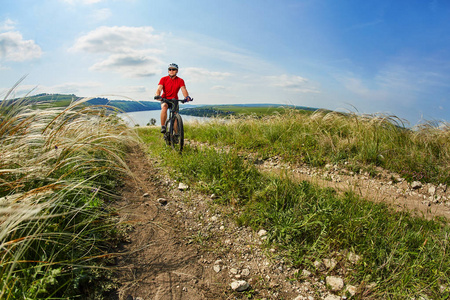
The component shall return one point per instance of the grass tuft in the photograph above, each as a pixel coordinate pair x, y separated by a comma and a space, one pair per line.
58, 167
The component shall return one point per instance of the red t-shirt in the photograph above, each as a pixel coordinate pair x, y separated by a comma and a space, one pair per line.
171, 87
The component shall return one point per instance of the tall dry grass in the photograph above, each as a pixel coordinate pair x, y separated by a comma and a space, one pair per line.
358, 141
57, 169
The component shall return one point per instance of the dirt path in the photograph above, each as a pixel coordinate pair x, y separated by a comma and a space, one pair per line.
160, 264
182, 246
424, 200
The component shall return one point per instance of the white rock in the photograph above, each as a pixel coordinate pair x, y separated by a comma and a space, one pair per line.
330, 263
233, 271
162, 201
371, 285
317, 264
216, 268
245, 272
432, 190
351, 289
239, 286
335, 283
416, 185
306, 273
262, 233
182, 186
353, 257
332, 297
443, 288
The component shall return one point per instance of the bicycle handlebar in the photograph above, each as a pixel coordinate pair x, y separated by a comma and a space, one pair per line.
173, 99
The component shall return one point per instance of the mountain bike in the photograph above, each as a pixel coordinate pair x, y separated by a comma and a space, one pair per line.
174, 135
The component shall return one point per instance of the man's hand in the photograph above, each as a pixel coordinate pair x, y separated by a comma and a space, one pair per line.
187, 99
157, 98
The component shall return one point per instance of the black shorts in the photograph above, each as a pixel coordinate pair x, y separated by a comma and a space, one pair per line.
168, 103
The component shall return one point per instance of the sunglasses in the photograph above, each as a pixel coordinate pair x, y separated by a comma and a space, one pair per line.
173, 69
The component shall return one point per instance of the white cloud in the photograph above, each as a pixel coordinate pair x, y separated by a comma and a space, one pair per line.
70, 88
14, 48
130, 49
7, 25
293, 83
101, 14
21, 90
401, 81
354, 84
218, 88
74, 2
130, 65
200, 74
116, 39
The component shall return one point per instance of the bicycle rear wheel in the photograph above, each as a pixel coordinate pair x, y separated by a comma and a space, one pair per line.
177, 133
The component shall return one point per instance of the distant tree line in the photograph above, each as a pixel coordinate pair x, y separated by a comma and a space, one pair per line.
205, 112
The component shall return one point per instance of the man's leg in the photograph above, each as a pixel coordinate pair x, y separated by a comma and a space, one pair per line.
164, 107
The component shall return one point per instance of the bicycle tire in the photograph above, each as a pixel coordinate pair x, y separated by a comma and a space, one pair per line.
167, 138
177, 140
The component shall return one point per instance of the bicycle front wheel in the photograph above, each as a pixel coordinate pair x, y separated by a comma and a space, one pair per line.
167, 138
177, 133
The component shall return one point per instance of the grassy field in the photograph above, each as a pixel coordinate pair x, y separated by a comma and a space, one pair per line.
58, 169
358, 142
402, 256
60, 166
256, 111
241, 110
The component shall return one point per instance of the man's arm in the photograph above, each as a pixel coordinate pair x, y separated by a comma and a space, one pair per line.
159, 90
184, 91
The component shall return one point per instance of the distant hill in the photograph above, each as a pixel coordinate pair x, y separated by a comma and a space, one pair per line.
63, 100
127, 105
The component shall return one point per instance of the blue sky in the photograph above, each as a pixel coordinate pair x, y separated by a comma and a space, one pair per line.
383, 56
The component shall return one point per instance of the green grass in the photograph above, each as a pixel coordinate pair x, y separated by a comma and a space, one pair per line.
59, 165
257, 111
358, 142
241, 111
405, 256
58, 168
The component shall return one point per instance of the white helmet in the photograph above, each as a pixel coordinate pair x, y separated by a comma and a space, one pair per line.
172, 65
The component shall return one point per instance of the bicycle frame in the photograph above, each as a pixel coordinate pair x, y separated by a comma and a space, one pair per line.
174, 136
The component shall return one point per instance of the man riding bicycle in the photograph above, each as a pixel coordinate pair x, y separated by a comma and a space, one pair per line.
170, 86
